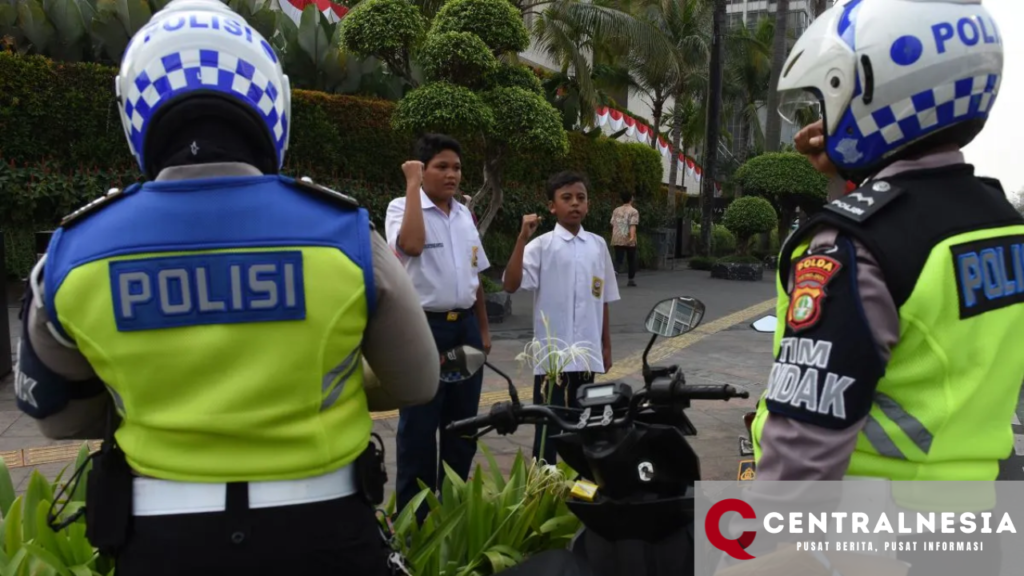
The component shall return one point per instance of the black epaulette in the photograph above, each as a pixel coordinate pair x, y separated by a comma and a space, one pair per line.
98, 204
306, 183
993, 182
865, 201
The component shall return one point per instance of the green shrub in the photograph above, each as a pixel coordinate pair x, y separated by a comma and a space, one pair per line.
723, 242
702, 262
787, 180
513, 76
457, 57
497, 22
489, 522
748, 216
740, 259
490, 286
383, 27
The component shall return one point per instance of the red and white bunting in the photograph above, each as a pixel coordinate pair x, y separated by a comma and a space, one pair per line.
333, 11
616, 120
664, 147
643, 133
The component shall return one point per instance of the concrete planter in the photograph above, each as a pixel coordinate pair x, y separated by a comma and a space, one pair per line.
750, 272
499, 306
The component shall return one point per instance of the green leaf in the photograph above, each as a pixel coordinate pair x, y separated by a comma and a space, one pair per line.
49, 558
14, 567
13, 528
434, 542
476, 530
492, 465
7, 494
45, 545
70, 28
35, 26
559, 523
408, 516
107, 30
133, 15
83, 455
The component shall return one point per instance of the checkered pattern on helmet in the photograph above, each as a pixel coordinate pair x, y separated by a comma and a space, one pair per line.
931, 109
864, 137
190, 70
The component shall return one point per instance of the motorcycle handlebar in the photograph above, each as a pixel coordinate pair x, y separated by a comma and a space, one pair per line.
506, 416
709, 392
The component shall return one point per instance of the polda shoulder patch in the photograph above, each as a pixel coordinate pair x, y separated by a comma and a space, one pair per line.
95, 206
811, 274
865, 201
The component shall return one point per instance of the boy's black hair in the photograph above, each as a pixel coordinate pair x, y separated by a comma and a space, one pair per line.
563, 179
430, 145
626, 197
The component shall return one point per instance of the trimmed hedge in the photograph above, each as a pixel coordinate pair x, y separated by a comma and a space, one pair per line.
62, 144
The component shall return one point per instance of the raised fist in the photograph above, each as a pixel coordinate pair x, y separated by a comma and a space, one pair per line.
530, 223
413, 170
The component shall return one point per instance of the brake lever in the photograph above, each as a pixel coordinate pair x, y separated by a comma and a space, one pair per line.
483, 432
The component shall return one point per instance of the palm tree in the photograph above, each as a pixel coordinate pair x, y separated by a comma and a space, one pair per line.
581, 36
714, 99
747, 74
773, 128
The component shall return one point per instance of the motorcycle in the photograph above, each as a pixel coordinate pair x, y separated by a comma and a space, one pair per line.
748, 467
635, 495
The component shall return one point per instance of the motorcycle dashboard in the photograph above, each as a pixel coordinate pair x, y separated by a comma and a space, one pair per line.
595, 395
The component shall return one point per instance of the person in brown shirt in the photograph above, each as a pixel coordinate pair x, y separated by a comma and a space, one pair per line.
625, 219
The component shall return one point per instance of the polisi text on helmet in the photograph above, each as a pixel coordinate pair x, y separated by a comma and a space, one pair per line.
970, 31
228, 26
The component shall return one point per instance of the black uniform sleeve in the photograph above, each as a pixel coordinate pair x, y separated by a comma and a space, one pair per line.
828, 364
41, 392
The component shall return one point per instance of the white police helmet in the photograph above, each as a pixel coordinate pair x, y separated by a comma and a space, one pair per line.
887, 74
193, 47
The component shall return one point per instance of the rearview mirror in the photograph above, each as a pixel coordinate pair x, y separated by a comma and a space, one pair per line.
675, 316
461, 363
766, 324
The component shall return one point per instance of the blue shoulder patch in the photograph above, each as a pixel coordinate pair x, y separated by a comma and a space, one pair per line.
226, 288
989, 274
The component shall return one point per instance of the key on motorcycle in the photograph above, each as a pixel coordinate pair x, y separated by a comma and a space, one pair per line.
396, 564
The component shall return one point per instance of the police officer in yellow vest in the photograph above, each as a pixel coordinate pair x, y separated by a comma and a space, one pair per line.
901, 308
224, 312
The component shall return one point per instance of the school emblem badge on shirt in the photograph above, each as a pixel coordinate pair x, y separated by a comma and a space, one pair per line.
596, 286
811, 275
473, 260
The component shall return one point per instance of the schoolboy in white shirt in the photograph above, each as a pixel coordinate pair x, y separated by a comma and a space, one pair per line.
572, 276
436, 239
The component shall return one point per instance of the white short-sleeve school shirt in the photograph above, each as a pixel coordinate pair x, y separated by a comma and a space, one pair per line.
445, 275
572, 277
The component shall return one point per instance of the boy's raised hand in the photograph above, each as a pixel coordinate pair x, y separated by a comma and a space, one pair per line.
413, 170
530, 223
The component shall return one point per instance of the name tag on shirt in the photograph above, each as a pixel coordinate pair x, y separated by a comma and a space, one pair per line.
226, 288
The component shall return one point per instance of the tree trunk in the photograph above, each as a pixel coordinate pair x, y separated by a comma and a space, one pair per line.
773, 126
657, 105
673, 169
786, 215
742, 157
492, 175
714, 122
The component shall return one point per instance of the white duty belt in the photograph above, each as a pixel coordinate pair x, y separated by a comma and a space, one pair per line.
154, 497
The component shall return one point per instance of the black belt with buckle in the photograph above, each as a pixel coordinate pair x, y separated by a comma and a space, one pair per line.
449, 316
